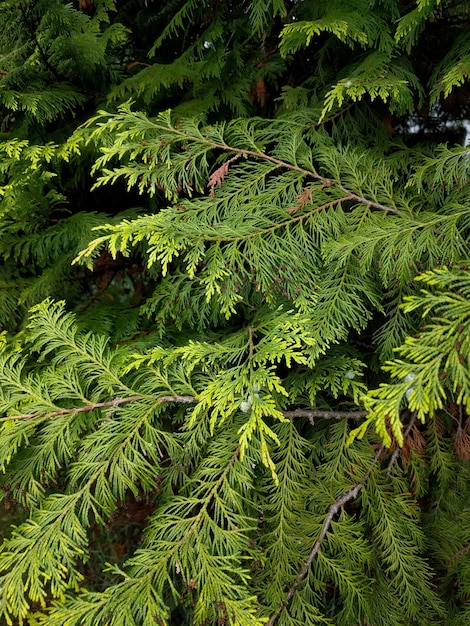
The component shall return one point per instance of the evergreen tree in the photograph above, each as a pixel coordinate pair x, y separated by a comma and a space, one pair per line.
235, 310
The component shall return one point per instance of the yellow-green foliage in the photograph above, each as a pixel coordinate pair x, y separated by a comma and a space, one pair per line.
234, 313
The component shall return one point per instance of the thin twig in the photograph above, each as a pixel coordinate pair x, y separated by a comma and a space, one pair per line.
285, 165
311, 414
333, 509
312, 174
101, 405
458, 554
397, 451
335, 115
277, 225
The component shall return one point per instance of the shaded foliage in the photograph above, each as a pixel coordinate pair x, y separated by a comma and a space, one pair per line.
234, 298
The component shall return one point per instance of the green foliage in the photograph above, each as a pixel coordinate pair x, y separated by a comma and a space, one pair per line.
234, 311
434, 363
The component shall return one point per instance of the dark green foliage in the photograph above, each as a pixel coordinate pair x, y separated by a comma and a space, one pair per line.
234, 310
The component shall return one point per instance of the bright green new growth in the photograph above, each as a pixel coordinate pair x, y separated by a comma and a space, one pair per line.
234, 304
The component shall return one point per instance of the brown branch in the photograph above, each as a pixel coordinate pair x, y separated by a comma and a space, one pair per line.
458, 554
335, 115
101, 405
134, 63
312, 174
333, 510
311, 414
277, 225
285, 165
335, 415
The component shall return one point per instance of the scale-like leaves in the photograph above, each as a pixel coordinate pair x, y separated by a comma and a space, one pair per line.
252, 231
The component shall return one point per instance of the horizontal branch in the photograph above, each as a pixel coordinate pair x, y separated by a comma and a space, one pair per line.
323, 414
311, 414
101, 405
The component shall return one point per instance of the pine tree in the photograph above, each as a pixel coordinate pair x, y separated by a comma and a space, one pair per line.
235, 304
